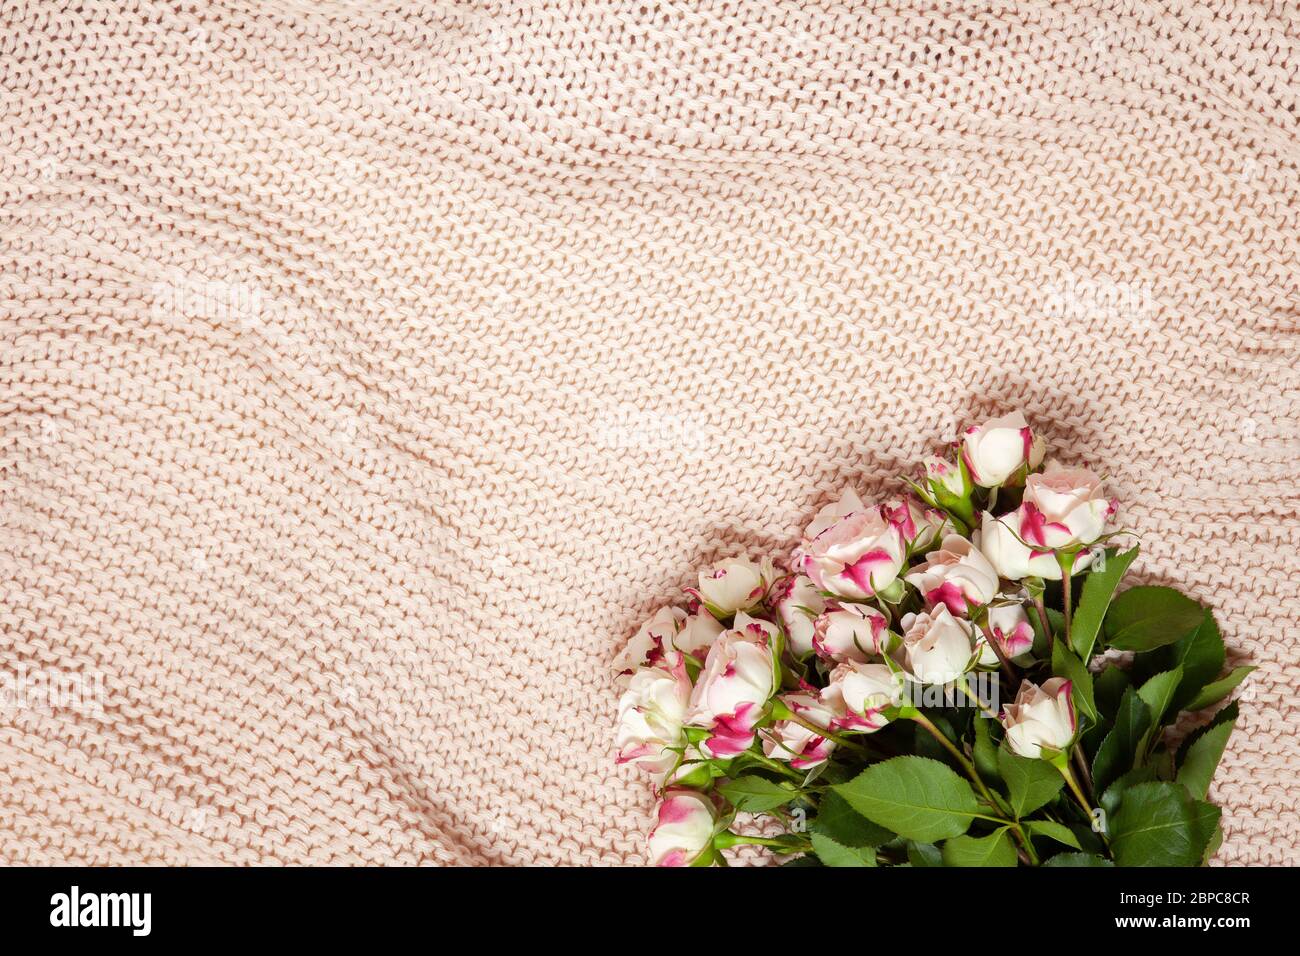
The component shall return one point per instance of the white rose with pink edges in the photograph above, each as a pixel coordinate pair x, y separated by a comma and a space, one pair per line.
683, 833
848, 632
734, 686
956, 576
996, 450
852, 551
734, 585
1040, 717
798, 602
651, 713
937, 648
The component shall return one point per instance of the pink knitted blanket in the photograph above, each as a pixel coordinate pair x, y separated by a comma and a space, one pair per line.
369, 371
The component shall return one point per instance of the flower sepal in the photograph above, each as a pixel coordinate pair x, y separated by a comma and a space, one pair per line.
894, 594
696, 735
700, 776
1060, 759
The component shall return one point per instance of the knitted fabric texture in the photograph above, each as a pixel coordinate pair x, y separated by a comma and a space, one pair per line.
371, 371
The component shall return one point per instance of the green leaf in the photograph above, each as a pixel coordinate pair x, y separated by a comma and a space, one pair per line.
1202, 758
1221, 688
1052, 831
1089, 841
1115, 792
1208, 832
923, 854
1215, 841
1098, 589
984, 753
1157, 692
1226, 715
992, 850
755, 794
1157, 824
1109, 690
1117, 750
1030, 783
832, 853
915, 797
925, 745
1078, 859
840, 822
1065, 664
1143, 618
1200, 654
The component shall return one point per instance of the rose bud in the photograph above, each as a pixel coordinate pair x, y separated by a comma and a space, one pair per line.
684, 833
693, 772
1040, 717
796, 744
1009, 625
698, 632
1063, 507
937, 647
794, 596
861, 692
735, 683
848, 632
999, 541
731, 586
852, 551
995, 451
945, 478
647, 645
919, 527
651, 712
956, 576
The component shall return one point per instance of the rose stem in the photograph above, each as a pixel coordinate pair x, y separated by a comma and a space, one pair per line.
828, 734
966, 765
975, 777
1002, 658
727, 839
1046, 624
988, 711
1082, 764
1066, 561
1074, 788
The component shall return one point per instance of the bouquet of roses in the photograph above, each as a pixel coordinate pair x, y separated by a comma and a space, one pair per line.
950, 678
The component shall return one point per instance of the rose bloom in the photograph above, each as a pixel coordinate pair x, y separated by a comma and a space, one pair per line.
848, 632
945, 475
937, 647
1040, 717
684, 832
1063, 507
651, 713
956, 576
860, 693
648, 643
919, 527
730, 586
997, 540
796, 744
1009, 625
998, 449
852, 551
791, 595
697, 633
736, 681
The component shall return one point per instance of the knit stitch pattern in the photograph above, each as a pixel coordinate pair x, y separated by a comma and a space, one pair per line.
368, 373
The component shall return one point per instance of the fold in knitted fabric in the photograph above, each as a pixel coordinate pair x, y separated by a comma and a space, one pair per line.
369, 374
